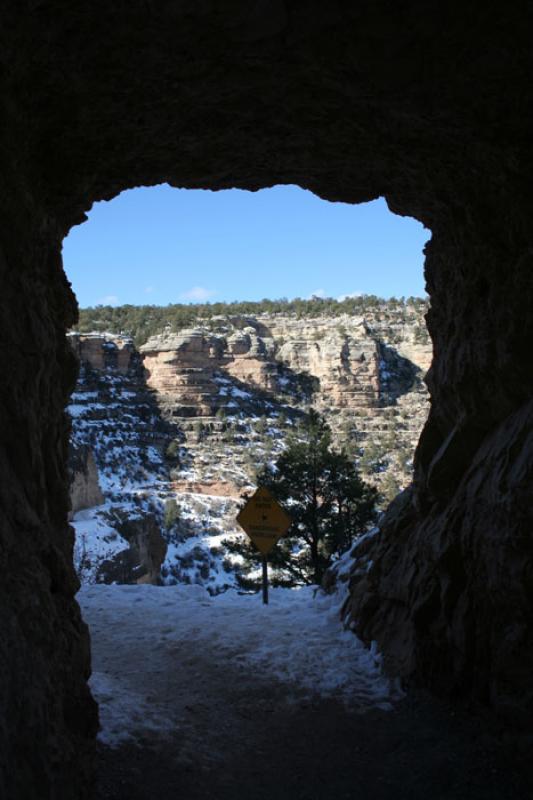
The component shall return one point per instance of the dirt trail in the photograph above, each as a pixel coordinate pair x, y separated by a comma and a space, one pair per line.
211, 727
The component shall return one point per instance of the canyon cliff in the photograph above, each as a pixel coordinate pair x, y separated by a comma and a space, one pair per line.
365, 374
116, 443
188, 421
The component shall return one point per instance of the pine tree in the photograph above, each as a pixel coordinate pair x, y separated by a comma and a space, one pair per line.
171, 514
327, 500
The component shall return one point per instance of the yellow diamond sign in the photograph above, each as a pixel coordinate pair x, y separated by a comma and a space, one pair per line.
264, 520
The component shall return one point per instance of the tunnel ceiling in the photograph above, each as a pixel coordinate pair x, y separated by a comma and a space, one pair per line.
351, 100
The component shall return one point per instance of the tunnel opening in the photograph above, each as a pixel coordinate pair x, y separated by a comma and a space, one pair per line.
179, 407
183, 499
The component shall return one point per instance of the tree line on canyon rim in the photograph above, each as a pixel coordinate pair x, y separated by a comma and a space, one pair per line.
144, 321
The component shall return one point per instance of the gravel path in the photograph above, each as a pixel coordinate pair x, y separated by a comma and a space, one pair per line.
187, 714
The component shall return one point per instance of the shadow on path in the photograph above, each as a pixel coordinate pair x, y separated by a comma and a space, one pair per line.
275, 750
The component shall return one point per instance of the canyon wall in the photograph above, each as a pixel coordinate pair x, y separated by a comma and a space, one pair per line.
355, 370
225, 377
182, 429
116, 463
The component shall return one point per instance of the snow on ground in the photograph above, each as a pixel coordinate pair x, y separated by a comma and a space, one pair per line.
142, 633
196, 551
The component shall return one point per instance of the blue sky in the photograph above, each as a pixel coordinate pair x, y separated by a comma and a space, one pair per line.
161, 245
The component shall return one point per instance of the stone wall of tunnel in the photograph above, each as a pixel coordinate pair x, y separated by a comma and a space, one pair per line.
422, 103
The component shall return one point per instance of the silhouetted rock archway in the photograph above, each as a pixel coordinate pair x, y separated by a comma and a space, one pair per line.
413, 101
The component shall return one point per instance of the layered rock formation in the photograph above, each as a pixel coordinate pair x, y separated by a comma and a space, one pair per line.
183, 368
222, 428
117, 444
231, 390
354, 370
104, 351
425, 104
265, 354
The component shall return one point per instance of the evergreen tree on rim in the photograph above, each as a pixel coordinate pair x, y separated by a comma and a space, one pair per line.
327, 500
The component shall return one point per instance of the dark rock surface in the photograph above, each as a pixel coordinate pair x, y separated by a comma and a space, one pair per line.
426, 104
449, 595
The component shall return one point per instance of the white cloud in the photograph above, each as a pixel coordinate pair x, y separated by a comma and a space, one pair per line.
108, 300
198, 294
342, 297
148, 289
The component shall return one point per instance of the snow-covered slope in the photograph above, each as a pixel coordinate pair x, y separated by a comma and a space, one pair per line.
115, 417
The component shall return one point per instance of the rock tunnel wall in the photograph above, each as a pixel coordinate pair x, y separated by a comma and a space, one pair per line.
423, 103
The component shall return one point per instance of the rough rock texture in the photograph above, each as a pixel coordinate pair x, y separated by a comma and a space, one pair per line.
447, 579
426, 104
141, 563
84, 488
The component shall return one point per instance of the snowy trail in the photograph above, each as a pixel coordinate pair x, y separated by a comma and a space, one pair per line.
150, 642
219, 698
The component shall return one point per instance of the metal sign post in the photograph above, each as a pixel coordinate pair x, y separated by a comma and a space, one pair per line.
265, 581
265, 521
